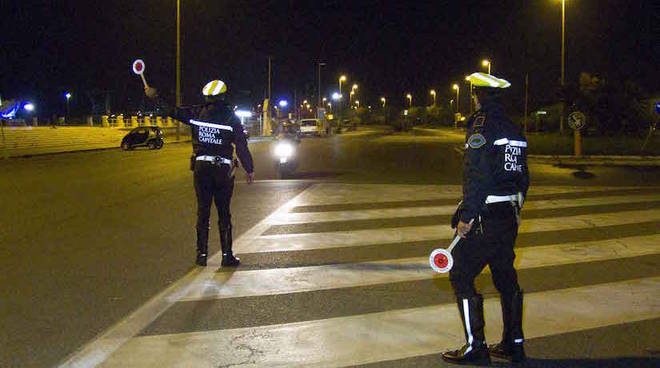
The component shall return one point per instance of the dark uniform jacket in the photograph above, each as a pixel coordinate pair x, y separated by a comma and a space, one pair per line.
214, 129
495, 159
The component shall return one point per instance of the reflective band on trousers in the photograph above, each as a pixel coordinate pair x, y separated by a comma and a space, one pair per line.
213, 159
468, 328
504, 198
211, 125
503, 141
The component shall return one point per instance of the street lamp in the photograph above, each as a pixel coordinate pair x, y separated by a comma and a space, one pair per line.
283, 103
383, 100
433, 94
350, 97
341, 79
409, 97
458, 91
486, 63
67, 96
336, 96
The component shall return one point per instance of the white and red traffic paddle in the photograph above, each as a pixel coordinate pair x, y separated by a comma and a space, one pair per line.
138, 68
441, 260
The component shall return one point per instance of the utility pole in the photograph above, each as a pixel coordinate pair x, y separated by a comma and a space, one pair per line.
267, 118
563, 29
178, 65
318, 108
526, 99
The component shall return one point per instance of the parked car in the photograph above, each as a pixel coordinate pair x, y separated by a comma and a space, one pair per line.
310, 127
150, 137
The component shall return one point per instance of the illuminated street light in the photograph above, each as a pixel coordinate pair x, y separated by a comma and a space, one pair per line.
283, 103
355, 86
341, 79
458, 91
409, 97
383, 100
432, 92
29, 107
67, 96
486, 63
336, 96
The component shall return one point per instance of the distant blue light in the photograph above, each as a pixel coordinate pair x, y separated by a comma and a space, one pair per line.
283, 103
10, 113
29, 107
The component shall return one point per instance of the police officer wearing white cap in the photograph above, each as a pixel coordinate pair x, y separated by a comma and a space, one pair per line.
215, 133
495, 182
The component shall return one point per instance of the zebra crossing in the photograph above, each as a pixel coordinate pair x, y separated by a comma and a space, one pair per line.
339, 277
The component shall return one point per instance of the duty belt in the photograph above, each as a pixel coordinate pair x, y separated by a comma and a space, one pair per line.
516, 201
214, 159
504, 198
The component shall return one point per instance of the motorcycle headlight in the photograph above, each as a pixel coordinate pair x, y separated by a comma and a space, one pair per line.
284, 149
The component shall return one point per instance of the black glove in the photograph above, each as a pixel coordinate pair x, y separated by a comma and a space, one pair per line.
457, 215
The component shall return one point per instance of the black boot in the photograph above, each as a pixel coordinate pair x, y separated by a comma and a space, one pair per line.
228, 259
202, 245
475, 351
511, 346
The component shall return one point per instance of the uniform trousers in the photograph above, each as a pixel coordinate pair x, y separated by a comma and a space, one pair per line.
489, 242
212, 183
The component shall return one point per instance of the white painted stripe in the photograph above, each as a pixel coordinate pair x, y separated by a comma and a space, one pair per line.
289, 242
399, 334
97, 351
503, 141
303, 279
386, 213
339, 193
211, 125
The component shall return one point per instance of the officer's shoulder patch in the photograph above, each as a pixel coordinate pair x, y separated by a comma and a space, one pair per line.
476, 140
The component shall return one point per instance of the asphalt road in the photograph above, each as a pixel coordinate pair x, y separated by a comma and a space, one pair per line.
87, 238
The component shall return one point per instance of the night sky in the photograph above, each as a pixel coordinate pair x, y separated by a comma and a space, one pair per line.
387, 47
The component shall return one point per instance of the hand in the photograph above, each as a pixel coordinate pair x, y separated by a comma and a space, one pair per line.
150, 92
463, 229
250, 178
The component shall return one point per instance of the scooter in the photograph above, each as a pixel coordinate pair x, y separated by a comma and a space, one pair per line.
286, 158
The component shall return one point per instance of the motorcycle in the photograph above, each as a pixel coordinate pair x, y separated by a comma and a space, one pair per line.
286, 158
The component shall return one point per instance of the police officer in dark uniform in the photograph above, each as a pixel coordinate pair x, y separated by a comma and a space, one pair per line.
495, 183
215, 129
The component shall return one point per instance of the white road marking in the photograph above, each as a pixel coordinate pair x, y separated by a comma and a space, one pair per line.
338, 193
97, 351
338, 239
288, 218
368, 338
302, 279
